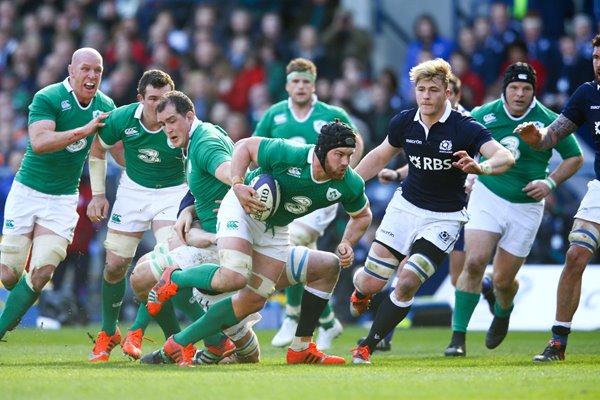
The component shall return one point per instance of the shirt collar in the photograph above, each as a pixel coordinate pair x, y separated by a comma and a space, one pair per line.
444, 117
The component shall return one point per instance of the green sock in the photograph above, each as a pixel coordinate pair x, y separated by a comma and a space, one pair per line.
196, 277
218, 317
112, 299
293, 300
464, 305
142, 318
19, 300
167, 319
327, 318
193, 311
501, 312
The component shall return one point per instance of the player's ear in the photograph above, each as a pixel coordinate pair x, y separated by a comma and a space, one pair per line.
189, 116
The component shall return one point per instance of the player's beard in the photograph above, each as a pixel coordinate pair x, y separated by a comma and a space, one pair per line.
332, 173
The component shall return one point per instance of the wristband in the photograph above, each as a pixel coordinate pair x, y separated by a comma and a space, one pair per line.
237, 179
486, 168
398, 176
551, 182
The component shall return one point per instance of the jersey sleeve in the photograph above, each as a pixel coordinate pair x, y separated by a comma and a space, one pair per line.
214, 153
109, 134
42, 108
357, 200
270, 152
481, 135
575, 108
569, 147
395, 131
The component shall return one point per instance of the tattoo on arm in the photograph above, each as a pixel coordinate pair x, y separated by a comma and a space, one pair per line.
558, 130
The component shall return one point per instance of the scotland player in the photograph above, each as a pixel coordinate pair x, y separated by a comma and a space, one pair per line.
425, 215
584, 238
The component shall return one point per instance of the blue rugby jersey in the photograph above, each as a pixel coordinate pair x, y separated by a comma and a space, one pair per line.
584, 106
432, 183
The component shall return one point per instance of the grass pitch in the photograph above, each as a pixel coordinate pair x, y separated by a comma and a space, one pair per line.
36, 364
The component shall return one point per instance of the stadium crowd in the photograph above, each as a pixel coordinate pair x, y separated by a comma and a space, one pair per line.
229, 57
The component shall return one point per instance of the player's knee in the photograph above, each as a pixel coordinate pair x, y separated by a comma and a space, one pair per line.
366, 283
234, 272
142, 280
40, 276
14, 251
577, 258
584, 235
380, 268
424, 260
505, 283
122, 246
8, 277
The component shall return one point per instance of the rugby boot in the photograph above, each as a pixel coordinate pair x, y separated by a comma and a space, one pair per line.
497, 332
104, 345
553, 352
359, 306
312, 355
132, 344
182, 356
214, 354
361, 355
162, 291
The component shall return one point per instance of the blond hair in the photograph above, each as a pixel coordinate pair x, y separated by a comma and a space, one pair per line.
428, 70
301, 65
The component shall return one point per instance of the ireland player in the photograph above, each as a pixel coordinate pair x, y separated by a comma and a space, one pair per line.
300, 118
41, 208
253, 254
506, 210
148, 196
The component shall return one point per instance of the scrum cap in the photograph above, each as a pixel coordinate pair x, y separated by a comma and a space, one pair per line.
519, 72
333, 135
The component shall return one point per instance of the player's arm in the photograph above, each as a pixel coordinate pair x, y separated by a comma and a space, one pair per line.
387, 175
245, 152
45, 139
498, 160
97, 209
223, 173
376, 160
546, 138
541, 188
357, 226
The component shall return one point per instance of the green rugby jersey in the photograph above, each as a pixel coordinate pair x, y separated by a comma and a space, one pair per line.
291, 165
209, 147
280, 122
59, 172
150, 160
530, 164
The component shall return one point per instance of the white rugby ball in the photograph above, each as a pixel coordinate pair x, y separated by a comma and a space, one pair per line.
267, 190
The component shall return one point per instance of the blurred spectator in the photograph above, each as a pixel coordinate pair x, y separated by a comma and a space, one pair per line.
473, 89
426, 38
271, 33
379, 116
199, 88
540, 48
584, 31
342, 39
307, 45
236, 126
260, 101
7, 175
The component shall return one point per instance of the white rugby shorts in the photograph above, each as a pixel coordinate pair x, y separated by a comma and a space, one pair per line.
26, 207
137, 206
517, 223
232, 221
404, 223
589, 209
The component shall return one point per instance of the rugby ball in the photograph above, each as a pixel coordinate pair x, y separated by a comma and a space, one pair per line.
267, 190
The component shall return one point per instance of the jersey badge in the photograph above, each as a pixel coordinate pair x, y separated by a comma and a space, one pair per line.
76, 146
295, 172
65, 105
131, 131
318, 124
333, 194
446, 146
95, 113
489, 118
444, 236
280, 119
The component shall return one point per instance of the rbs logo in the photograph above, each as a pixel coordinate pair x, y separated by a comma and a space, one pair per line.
430, 164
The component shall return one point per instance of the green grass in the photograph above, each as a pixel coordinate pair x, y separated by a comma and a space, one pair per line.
36, 364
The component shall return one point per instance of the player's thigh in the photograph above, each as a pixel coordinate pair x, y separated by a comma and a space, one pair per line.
522, 228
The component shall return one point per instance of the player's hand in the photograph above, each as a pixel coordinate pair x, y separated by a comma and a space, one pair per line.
537, 189
346, 254
387, 175
529, 133
248, 198
97, 209
91, 127
184, 223
466, 163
